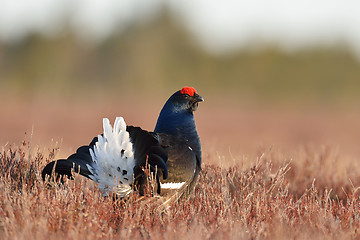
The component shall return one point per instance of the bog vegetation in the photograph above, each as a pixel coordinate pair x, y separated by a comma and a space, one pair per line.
269, 197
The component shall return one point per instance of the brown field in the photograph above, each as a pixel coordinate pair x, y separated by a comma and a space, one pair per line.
269, 172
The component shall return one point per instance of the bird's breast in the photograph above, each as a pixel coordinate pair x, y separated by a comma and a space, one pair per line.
181, 161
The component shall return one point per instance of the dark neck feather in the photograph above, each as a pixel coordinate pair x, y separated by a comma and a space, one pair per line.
177, 123
180, 123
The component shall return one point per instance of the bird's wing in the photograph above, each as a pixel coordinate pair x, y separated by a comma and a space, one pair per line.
113, 158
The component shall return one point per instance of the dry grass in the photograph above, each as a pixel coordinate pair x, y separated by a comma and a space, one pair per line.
289, 174
269, 197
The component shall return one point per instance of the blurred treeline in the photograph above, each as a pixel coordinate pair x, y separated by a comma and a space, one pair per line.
162, 55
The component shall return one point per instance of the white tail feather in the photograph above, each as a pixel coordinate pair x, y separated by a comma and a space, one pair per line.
172, 185
113, 158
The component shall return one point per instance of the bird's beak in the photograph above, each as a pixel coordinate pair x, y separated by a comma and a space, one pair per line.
199, 98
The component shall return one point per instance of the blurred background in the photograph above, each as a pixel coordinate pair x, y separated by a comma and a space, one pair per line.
273, 73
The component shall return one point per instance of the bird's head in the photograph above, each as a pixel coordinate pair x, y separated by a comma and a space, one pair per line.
177, 112
186, 99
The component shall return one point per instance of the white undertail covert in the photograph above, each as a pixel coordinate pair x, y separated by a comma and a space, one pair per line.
113, 159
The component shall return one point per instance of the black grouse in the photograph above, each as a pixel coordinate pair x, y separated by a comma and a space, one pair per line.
117, 158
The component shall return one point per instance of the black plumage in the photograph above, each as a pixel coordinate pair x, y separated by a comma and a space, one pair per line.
172, 151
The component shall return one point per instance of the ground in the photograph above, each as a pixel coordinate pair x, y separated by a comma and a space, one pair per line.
269, 172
